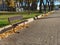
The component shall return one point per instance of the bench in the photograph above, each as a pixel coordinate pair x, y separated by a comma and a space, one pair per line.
20, 18
11, 20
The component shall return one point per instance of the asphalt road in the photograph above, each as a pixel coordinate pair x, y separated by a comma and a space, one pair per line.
40, 32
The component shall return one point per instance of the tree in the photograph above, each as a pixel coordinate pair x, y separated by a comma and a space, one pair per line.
52, 4
11, 5
48, 4
28, 4
34, 5
44, 6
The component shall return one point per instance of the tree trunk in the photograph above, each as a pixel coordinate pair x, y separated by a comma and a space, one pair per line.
52, 5
34, 6
41, 2
49, 7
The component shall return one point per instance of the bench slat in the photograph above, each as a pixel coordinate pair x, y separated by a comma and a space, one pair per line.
11, 19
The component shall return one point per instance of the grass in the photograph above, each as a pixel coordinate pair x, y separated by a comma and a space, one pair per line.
4, 17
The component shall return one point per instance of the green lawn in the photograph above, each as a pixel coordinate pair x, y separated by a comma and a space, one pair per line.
4, 17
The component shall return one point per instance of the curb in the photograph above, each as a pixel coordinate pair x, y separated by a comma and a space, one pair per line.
29, 20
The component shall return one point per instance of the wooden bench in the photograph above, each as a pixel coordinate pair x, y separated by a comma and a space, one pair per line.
15, 18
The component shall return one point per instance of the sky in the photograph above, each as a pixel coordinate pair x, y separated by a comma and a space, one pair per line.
57, 2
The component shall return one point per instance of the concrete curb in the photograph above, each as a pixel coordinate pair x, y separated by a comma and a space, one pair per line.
30, 20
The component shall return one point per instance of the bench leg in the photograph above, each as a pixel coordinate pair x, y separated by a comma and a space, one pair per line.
14, 30
25, 25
